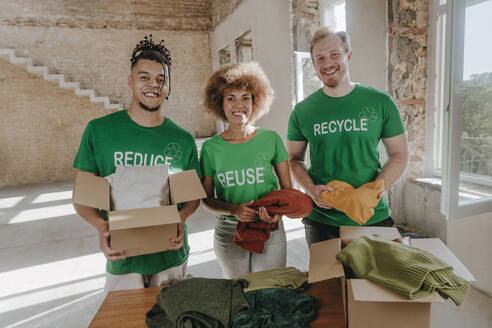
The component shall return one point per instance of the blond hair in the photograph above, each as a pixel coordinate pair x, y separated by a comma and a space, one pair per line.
325, 32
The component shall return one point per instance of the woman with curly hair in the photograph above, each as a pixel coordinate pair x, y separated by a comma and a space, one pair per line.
239, 167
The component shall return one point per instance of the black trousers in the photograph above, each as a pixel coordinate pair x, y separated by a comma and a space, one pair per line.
316, 232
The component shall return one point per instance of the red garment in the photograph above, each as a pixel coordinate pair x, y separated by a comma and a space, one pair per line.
289, 202
252, 236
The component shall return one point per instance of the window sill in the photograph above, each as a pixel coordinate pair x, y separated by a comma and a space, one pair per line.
468, 191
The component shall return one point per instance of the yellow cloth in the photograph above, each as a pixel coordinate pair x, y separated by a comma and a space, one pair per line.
358, 203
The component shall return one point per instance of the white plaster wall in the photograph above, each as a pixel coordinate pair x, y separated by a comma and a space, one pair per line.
366, 25
271, 31
468, 238
421, 209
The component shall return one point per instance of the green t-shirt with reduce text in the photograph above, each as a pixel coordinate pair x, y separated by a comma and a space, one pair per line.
343, 135
243, 172
115, 139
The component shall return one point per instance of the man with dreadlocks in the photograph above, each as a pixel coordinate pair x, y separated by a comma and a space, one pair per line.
140, 136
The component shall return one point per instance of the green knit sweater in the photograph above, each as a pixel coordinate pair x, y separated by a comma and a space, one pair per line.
288, 277
408, 271
198, 303
277, 308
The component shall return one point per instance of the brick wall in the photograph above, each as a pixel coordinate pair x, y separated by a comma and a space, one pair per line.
407, 29
220, 9
38, 136
118, 14
97, 55
305, 22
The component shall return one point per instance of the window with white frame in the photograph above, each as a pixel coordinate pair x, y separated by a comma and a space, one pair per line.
333, 14
307, 81
461, 105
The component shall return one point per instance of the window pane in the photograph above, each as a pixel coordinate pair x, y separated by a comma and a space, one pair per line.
310, 82
475, 93
334, 16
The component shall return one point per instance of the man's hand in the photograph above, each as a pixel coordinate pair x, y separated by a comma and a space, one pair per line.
381, 194
315, 193
104, 236
245, 213
177, 242
264, 216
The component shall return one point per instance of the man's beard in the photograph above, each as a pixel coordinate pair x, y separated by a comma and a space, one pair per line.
150, 109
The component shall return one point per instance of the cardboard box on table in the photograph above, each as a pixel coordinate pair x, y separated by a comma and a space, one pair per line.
368, 304
144, 230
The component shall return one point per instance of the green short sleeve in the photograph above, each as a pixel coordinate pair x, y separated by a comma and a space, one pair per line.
85, 159
280, 151
205, 162
294, 132
392, 124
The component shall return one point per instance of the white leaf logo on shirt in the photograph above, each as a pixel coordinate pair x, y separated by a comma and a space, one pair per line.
262, 160
173, 150
369, 113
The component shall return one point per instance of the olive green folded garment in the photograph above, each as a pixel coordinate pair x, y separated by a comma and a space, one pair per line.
198, 303
408, 271
277, 308
286, 277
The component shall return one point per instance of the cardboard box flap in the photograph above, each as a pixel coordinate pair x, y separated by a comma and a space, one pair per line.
91, 190
186, 186
369, 291
143, 217
349, 233
323, 264
437, 248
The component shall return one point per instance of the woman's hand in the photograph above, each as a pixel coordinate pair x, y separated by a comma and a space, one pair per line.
245, 213
264, 216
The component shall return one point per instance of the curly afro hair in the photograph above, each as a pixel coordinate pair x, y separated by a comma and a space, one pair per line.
248, 76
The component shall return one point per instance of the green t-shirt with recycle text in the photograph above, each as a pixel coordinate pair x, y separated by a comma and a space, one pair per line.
343, 135
243, 172
115, 139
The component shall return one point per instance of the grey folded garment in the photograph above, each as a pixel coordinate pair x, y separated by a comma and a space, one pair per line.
139, 187
277, 308
198, 303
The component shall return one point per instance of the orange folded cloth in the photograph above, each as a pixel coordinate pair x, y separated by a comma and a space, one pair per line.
252, 236
289, 202
358, 203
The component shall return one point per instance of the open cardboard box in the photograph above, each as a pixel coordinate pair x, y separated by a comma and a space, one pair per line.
367, 303
144, 230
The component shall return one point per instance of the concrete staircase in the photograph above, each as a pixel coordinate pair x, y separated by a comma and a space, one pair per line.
43, 71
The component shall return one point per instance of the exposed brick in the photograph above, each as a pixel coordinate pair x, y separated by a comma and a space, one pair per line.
407, 30
220, 9
41, 127
305, 22
117, 14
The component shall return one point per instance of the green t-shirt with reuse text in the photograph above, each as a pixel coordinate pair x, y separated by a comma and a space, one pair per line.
243, 172
343, 135
115, 139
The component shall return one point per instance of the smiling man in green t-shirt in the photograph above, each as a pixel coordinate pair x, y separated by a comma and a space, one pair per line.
343, 123
140, 136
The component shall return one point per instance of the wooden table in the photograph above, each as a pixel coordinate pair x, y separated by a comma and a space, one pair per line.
127, 308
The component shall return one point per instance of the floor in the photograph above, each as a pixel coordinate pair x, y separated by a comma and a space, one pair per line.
52, 273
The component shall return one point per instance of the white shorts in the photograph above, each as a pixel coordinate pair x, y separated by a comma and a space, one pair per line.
137, 280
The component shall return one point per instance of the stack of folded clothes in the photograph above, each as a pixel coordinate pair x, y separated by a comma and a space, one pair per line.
273, 300
408, 271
